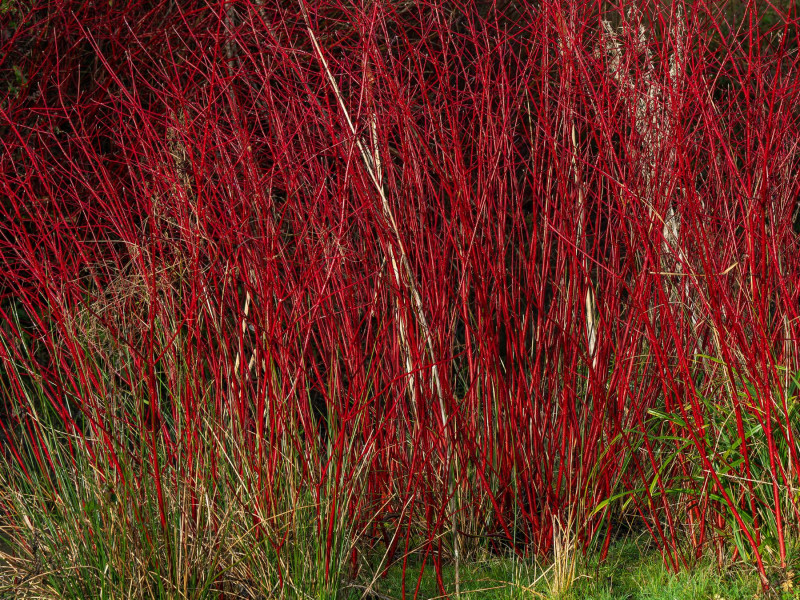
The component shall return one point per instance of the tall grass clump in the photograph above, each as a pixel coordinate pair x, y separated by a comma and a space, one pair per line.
295, 292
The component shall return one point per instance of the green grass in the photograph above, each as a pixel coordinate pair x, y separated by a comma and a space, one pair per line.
630, 572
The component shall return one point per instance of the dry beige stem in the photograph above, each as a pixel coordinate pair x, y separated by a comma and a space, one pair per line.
372, 164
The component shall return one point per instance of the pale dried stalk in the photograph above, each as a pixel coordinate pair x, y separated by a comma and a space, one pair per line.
655, 110
372, 164
654, 121
565, 555
252, 360
590, 300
